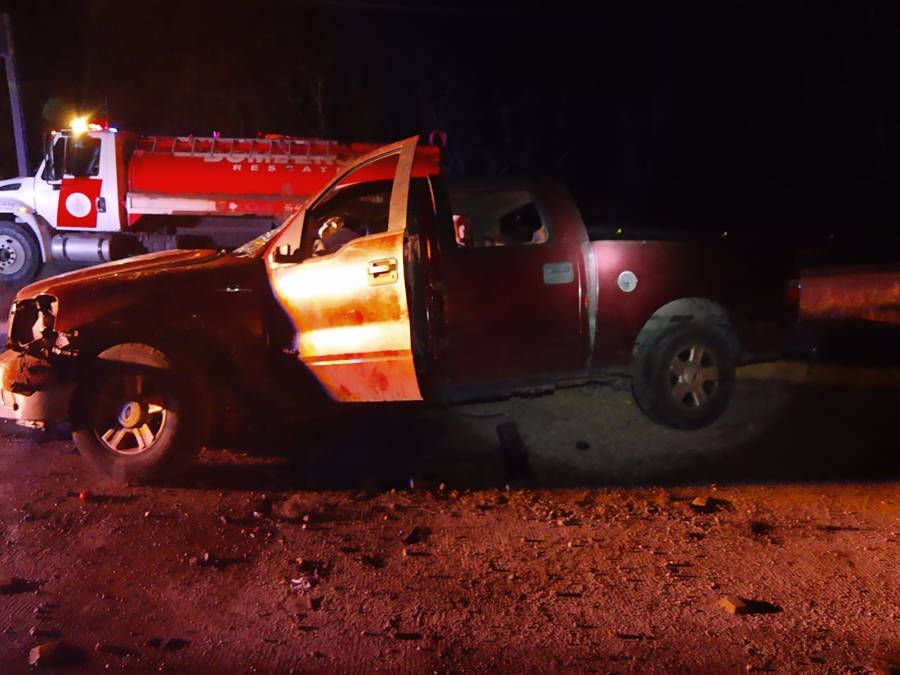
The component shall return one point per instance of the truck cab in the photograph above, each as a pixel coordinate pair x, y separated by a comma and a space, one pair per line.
78, 187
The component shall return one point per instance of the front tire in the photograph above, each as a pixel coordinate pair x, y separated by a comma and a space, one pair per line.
685, 377
20, 257
139, 415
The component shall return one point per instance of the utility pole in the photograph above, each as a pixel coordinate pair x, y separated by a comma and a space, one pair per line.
15, 103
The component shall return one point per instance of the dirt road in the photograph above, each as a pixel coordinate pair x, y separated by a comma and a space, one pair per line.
309, 552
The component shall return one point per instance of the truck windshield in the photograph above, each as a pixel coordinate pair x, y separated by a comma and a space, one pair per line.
254, 246
83, 156
74, 156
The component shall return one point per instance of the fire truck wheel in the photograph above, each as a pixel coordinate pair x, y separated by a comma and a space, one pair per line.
685, 378
139, 416
20, 257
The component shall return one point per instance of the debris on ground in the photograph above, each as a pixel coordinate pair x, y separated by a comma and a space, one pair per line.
55, 654
303, 583
708, 504
374, 561
416, 535
736, 605
204, 560
10, 585
577, 575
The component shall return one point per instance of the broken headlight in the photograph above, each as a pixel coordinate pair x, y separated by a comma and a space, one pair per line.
33, 319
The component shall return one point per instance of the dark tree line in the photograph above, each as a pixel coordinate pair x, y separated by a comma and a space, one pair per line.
758, 117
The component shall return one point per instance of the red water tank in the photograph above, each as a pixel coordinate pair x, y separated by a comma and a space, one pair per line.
286, 168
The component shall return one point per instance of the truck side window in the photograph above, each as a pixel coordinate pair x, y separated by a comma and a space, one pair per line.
352, 211
83, 156
58, 159
497, 218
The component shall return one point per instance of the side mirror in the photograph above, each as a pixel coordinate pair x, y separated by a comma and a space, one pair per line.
284, 255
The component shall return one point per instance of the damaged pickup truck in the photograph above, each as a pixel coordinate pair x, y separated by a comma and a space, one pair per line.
405, 288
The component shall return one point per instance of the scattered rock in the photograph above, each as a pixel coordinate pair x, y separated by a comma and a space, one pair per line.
416, 535
204, 560
373, 561
413, 553
568, 594
708, 504
55, 654
10, 585
736, 605
760, 528
733, 605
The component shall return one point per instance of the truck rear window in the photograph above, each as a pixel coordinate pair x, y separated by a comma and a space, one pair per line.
496, 218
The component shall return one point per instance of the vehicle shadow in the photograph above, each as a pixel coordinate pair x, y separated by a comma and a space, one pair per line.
776, 431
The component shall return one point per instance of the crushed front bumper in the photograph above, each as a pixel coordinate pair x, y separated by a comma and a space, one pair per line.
30, 394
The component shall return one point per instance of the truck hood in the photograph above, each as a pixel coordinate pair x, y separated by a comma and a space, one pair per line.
16, 192
120, 271
97, 293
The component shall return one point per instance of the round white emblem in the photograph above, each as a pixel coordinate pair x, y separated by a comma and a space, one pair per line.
78, 204
627, 281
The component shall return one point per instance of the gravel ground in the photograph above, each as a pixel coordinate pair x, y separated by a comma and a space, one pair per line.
406, 539
334, 546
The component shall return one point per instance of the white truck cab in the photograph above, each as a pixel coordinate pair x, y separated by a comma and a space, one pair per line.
77, 188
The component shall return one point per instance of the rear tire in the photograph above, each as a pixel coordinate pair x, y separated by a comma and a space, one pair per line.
20, 257
140, 416
684, 378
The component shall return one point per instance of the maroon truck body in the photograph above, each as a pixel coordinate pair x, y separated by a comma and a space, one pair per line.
437, 291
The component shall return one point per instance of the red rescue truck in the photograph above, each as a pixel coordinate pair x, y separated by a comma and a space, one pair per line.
100, 194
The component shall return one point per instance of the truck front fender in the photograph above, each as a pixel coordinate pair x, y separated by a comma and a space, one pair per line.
39, 228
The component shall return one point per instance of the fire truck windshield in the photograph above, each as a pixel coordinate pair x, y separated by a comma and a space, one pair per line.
83, 156
73, 156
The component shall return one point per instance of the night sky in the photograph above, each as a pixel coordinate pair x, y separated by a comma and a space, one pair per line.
760, 119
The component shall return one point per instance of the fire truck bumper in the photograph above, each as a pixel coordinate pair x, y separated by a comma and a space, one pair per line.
47, 403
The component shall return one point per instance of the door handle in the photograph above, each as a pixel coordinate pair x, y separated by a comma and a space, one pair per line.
101, 204
382, 271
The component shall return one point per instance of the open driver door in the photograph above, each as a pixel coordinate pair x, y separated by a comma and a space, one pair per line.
338, 271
